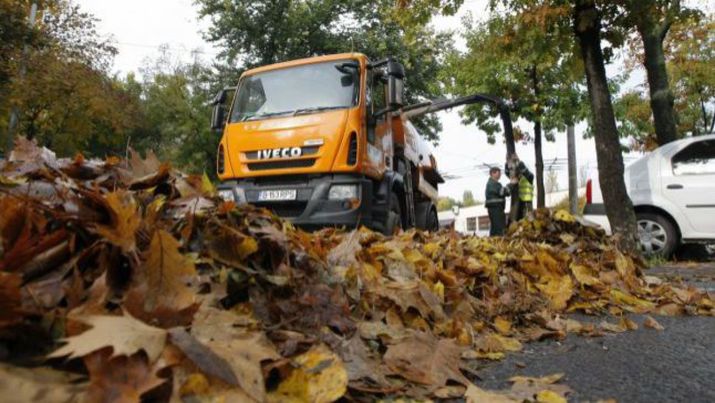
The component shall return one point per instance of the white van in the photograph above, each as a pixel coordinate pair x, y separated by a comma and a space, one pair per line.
673, 192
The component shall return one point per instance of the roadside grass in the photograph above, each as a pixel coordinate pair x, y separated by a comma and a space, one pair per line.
655, 261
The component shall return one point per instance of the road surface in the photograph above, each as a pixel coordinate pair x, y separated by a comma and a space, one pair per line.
645, 365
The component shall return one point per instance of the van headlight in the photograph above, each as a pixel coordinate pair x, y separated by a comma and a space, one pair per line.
343, 192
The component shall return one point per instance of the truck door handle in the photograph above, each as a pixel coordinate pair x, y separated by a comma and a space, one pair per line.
675, 186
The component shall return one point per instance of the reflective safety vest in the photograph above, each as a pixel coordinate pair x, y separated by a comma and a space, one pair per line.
526, 190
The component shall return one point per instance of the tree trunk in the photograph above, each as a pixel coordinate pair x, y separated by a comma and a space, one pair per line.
661, 97
540, 192
619, 208
538, 154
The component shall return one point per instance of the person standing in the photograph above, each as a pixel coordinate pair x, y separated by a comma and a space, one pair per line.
524, 180
496, 202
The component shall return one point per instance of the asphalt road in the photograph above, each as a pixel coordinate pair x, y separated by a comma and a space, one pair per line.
645, 365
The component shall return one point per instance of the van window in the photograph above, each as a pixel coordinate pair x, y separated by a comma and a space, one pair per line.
695, 159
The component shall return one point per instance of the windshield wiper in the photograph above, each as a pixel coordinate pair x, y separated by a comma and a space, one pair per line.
316, 109
264, 115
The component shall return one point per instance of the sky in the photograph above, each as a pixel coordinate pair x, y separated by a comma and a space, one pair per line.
139, 27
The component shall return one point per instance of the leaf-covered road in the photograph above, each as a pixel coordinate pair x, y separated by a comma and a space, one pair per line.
645, 365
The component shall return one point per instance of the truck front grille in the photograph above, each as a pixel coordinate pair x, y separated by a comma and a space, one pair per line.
284, 164
290, 209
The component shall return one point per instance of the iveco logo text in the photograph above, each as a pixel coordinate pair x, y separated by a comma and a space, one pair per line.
288, 152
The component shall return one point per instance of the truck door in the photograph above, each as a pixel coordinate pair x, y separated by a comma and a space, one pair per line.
691, 186
378, 129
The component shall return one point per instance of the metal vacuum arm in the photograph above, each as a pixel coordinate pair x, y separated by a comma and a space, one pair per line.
440, 105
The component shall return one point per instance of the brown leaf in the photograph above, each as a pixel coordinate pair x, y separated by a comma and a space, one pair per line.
361, 362
124, 221
204, 358
143, 167
425, 359
119, 379
10, 299
124, 334
527, 388
41, 384
244, 350
165, 273
652, 323
475, 394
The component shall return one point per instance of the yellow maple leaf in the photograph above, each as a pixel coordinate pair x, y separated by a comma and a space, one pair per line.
549, 396
124, 221
166, 271
559, 290
318, 376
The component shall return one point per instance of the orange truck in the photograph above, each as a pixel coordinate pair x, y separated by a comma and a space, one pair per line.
327, 141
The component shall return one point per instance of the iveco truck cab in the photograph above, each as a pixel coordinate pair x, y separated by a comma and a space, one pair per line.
323, 141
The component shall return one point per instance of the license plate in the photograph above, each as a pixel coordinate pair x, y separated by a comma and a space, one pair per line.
273, 195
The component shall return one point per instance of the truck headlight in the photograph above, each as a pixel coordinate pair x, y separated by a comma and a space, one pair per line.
226, 194
343, 192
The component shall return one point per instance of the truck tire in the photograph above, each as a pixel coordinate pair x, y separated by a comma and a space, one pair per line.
658, 236
393, 223
432, 221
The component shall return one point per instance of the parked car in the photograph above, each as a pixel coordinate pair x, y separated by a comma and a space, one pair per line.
673, 192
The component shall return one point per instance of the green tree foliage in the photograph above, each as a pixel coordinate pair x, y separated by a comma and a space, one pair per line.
653, 20
14, 34
177, 112
468, 199
446, 204
254, 33
66, 98
690, 53
690, 58
533, 68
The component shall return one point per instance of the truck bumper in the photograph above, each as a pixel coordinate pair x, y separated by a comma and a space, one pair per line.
312, 207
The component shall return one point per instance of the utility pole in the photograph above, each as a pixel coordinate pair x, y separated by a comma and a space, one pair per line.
15, 113
573, 184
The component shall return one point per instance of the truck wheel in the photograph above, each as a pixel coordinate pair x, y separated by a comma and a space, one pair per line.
394, 217
432, 221
657, 235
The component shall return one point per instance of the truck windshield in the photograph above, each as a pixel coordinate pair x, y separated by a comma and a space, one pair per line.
297, 90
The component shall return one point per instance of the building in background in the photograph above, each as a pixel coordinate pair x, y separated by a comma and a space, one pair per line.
475, 220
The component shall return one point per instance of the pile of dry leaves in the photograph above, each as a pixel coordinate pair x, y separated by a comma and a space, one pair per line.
122, 280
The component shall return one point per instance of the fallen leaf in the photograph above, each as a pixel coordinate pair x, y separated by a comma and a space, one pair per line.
422, 358
124, 221
124, 334
549, 396
652, 323
119, 379
243, 349
10, 299
559, 290
526, 388
22, 385
502, 325
204, 358
166, 271
475, 394
318, 376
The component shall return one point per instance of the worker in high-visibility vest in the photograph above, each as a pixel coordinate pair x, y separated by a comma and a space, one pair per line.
519, 173
495, 196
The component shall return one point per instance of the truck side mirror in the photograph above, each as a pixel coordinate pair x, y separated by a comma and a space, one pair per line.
395, 91
395, 85
218, 115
